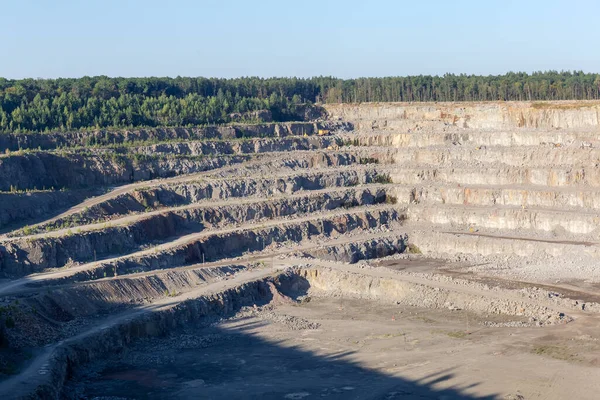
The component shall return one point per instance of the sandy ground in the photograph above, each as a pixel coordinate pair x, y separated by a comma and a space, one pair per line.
359, 349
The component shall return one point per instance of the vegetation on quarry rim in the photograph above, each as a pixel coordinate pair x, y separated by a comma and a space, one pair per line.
99, 102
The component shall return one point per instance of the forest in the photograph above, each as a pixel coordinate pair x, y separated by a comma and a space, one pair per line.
41, 105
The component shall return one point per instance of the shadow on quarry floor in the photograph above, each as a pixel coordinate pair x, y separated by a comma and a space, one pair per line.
234, 363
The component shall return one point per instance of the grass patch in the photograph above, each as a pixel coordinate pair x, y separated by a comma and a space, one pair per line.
557, 352
349, 142
421, 318
457, 334
384, 178
451, 334
387, 335
368, 160
391, 199
413, 249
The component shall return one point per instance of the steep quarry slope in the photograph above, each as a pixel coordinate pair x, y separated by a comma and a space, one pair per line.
109, 237
509, 185
480, 116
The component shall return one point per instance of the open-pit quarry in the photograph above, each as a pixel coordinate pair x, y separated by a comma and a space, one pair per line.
385, 251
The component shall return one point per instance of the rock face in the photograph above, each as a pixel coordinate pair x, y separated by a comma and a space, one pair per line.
28, 208
198, 311
325, 281
198, 148
364, 250
145, 199
33, 206
41, 170
35, 254
484, 116
49, 141
45, 170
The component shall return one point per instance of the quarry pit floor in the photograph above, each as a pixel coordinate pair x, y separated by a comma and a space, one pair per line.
339, 347
359, 351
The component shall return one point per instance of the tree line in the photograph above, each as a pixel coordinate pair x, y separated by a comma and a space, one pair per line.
101, 102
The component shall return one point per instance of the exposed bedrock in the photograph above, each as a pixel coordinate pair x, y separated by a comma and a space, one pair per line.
330, 282
28, 208
522, 197
284, 163
48, 141
18, 207
550, 138
507, 219
510, 156
40, 170
92, 299
233, 244
447, 245
197, 148
33, 255
361, 250
47, 170
501, 115
94, 344
45, 316
89, 300
180, 194
555, 176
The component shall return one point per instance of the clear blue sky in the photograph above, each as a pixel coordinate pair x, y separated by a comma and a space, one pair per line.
344, 38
